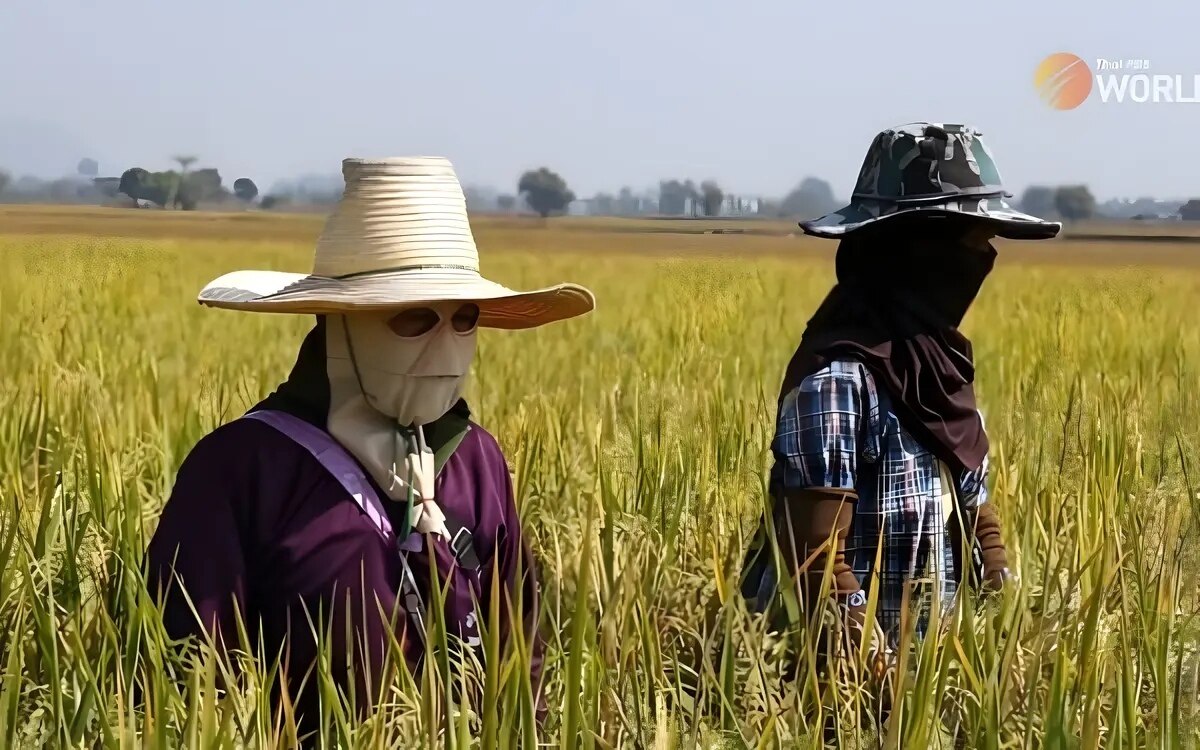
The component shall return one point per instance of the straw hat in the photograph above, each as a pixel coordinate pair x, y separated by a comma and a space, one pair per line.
398, 236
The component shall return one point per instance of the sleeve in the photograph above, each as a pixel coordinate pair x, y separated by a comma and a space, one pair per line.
819, 431
984, 520
195, 560
972, 484
520, 589
820, 436
972, 488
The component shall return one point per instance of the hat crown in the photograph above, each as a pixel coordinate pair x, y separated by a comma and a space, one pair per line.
928, 162
397, 214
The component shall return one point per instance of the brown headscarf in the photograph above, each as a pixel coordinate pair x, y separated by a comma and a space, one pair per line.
902, 291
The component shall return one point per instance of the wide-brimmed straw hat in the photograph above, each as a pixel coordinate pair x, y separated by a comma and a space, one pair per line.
930, 169
399, 236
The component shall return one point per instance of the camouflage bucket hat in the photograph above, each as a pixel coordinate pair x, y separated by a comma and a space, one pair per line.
934, 169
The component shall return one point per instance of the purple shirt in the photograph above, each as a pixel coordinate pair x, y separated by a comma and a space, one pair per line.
256, 525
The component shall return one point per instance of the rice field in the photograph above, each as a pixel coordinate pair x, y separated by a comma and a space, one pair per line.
638, 439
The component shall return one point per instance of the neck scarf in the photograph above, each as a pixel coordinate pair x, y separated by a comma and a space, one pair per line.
896, 308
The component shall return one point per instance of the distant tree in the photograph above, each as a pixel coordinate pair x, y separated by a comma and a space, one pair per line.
506, 202
673, 196
545, 191
272, 201
184, 161
712, 196
1074, 202
163, 188
1039, 201
88, 167
205, 185
141, 185
185, 198
245, 189
813, 197
1190, 211
5, 179
133, 181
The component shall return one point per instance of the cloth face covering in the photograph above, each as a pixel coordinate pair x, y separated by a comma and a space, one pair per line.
900, 297
413, 380
384, 387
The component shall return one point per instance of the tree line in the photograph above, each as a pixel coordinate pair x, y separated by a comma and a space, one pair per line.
542, 191
1068, 202
546, 193
184, 189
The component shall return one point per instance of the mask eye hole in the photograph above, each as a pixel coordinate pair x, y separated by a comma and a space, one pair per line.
466, 318
415, 321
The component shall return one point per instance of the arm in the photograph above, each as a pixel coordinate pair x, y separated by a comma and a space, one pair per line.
984, 525
816, 523
198, 546
817, 447
991, 546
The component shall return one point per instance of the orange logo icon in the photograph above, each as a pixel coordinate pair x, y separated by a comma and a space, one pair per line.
1063, 80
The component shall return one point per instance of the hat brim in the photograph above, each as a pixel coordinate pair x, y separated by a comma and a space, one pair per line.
1008, 221
499, 306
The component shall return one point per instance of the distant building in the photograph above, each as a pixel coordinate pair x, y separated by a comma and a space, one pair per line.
1125, 208
581, 207
741, 205
1190, 211
731, 206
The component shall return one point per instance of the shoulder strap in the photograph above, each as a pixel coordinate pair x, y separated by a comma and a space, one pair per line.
349, 474
336, 461
330, 454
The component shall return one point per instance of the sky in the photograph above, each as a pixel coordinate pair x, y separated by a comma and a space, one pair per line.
756, 94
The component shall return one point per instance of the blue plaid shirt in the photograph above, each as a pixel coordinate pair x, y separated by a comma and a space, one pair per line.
836, 430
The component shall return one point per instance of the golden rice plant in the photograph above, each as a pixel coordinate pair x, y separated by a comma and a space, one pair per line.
638, 438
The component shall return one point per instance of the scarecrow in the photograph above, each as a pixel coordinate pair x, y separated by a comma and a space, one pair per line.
327, 498
880, 451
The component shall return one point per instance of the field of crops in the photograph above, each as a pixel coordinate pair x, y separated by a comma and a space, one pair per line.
638, 438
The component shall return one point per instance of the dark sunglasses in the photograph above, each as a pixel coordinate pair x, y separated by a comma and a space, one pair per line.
417, 321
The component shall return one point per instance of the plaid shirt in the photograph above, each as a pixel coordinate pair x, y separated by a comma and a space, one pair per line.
836, 430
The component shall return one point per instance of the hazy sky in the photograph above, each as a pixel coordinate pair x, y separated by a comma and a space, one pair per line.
754, 93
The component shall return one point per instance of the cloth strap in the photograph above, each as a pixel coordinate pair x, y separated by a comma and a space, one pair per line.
338, 462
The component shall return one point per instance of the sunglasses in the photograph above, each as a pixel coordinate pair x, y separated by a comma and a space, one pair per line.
417, 321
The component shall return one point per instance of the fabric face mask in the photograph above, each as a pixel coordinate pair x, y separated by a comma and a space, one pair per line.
412, 365
389, 372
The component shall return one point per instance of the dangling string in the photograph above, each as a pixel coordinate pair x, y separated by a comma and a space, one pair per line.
407, 524
428, 518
